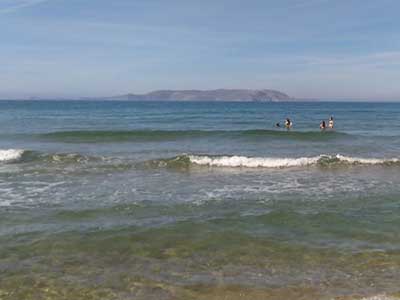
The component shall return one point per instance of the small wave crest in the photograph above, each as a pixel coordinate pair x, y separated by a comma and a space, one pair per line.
270, 162
111, 136
186, 161
235, 161
380, 297
252, 162
68, 158
11, 155
365, 161
24, 156
295, 135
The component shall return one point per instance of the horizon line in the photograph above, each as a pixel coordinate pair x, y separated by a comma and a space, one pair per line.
292, 100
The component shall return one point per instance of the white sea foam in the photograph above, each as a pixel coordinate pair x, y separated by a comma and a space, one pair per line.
366, 161
380, 297
10, 155
252, 162
272, 162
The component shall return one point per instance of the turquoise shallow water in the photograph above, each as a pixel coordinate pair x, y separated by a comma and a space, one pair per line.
125, 200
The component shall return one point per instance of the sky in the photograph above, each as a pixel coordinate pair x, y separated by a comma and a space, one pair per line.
324, 49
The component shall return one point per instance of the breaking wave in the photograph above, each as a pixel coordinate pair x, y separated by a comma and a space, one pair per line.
22, 156
186, 161
268, 162
11, 155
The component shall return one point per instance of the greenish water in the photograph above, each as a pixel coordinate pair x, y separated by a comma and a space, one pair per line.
122, 200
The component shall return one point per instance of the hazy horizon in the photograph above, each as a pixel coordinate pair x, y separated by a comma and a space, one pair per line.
315, 49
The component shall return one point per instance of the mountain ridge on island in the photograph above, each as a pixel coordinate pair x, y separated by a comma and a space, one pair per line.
258, 95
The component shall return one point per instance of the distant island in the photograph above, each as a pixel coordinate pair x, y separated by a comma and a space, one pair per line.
206, 95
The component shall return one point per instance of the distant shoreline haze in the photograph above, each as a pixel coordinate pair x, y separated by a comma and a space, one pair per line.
193, 95
206, 95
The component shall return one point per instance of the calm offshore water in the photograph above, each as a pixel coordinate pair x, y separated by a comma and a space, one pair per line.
126, 200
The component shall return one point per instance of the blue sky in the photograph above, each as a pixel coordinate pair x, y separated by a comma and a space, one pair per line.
331, 49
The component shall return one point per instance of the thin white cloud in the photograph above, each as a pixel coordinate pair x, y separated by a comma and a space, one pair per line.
13, 6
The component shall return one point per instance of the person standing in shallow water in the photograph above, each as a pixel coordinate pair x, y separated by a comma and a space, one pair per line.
288, 123
330, 124
322, 125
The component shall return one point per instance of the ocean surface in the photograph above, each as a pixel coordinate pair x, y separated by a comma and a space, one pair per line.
167, 200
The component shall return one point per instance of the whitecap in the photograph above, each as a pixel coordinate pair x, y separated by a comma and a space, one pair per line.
380, 297
275, 162
11, 155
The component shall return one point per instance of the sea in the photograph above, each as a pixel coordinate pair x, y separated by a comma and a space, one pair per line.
199, 200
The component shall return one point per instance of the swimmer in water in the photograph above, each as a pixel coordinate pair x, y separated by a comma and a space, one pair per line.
288, 123
330, 124
322, 126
